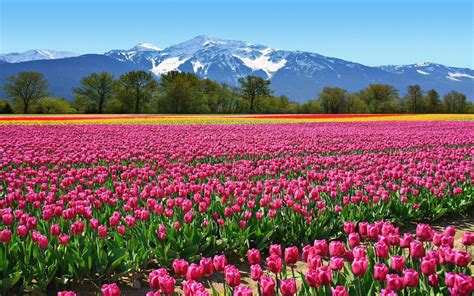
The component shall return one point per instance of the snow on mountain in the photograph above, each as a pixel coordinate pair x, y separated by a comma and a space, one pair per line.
145, 47
34, 55
207, 56
436, 70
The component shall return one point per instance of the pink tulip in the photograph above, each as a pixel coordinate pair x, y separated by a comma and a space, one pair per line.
394, 282
410, 278
359, 266
274, 264
253, 256
336, 263
207, 267
232, 276
416, 250
291, 255
468, 239
180, 267
339, 291
428, 266
267, 286
242, 291
320, 247
380, 271
275, 250
220, 263
397, 263
110, 290
462, 258
256, 272
324, 275
194, 272
381, 250
312, 278
288, 287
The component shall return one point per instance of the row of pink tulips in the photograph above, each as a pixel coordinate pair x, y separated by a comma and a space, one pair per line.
374, 260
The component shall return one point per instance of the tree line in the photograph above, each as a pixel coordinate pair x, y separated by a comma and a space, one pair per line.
186, 93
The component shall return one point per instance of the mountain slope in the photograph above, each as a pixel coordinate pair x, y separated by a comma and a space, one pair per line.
37, 54
64, 74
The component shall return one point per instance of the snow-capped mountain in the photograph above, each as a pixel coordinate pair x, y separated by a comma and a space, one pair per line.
433, 70
296, 74
34, 55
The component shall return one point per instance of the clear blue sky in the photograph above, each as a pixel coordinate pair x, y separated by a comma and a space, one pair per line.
368, 32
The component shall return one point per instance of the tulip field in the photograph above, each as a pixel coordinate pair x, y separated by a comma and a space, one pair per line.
235, 205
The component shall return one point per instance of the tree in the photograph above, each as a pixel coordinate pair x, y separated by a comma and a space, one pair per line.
136, 88
26, 88
455, 102
54, 106
182, 93
95, 91
5, 107
333, 100
414, 97
433, 103
381, 98
252, 87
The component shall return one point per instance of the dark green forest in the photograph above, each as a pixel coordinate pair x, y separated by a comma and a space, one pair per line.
185, 93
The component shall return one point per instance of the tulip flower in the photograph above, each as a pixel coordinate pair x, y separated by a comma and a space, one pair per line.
167, 284
275, 250
312, 278
194, 272
274, 264
410, 278
267, 286
232, 276
180, 267
256, 272
339, 291
428, 266
288, 287
207, 266
220, 263
359, 266
110, 290
380, 271
253, 256
291, 255
397, 263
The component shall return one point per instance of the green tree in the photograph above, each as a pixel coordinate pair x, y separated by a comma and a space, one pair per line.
414, 98
95, 91
455, 102
5, 107
355, 105
381, 98
26, 88
136, 89
433, 103
333, 100
180, 92
253, 87
54, 106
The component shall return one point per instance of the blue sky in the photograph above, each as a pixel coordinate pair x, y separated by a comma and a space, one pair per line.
368, 32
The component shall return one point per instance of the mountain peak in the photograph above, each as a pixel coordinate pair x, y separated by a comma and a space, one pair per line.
145, 47
36, 54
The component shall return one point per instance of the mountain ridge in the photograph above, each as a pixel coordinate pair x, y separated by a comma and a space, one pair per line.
299, 75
